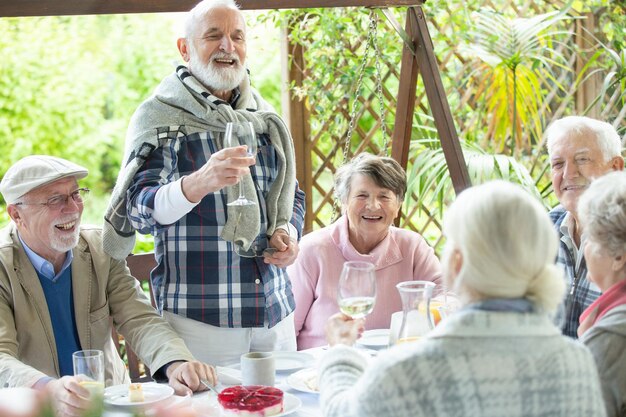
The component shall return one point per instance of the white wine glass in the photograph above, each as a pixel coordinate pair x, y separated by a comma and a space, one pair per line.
237, 134
356, 293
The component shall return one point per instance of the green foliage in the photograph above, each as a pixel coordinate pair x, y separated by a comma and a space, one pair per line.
70, 84
517, 56
334, 44
429, 178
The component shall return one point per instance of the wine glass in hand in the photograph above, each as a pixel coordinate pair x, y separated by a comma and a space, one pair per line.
237, 134
356, 294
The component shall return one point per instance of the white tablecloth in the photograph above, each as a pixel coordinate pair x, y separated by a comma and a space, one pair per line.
205, 404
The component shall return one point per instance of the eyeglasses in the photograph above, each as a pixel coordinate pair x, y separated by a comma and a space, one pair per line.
58, 201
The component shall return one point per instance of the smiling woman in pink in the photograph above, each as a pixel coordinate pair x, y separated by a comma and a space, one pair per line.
371, 190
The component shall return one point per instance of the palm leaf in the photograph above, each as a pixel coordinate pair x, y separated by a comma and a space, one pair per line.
429, 179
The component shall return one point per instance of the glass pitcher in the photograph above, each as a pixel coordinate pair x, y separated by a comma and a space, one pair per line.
417, 319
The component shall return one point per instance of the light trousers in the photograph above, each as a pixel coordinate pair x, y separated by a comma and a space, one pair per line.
224, 346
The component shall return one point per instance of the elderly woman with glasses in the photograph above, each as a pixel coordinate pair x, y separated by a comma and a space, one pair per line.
371, 190
500, 354
602, 328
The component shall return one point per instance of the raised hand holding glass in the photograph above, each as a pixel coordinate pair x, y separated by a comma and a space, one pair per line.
356, 294
237, 134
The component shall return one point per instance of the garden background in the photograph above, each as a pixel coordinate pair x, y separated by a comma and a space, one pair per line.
68, 86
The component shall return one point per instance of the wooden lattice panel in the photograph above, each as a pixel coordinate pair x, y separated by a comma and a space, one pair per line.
328, 135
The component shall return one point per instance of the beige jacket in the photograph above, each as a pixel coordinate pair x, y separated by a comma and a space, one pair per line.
104, 293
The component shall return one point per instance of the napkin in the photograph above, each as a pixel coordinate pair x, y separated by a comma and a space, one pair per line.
228, 376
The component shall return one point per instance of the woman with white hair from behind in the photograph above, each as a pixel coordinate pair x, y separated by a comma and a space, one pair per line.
500, 354
602, 328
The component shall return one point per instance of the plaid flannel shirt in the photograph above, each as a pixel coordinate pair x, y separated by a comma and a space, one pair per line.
580, 291
199, 275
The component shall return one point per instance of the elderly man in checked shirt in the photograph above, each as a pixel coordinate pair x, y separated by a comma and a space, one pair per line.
216, 282
580, 149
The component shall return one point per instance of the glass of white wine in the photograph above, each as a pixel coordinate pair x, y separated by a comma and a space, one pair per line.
89, 367
356, 294
237, 134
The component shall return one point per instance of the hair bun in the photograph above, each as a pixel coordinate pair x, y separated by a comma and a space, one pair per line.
544, 285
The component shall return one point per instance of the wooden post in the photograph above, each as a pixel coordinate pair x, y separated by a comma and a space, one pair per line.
585, 30
438, 101
406, 100
297, 118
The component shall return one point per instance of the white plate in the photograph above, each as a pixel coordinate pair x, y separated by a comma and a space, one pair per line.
207, 406
374, 339
291, 403
290, 361
300, 380
228, 375
152, 392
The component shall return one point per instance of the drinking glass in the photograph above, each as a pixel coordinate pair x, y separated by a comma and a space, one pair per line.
89, 366
443, 304
237, 134
356, 294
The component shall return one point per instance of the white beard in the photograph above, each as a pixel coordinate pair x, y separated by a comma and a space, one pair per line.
214, 77
66, 242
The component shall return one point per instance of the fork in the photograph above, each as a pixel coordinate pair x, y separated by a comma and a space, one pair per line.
209, 386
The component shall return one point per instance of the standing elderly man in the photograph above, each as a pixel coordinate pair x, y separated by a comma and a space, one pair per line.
220, 278
59, 293
580, 149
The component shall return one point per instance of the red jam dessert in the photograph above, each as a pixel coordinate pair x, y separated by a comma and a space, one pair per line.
251, 401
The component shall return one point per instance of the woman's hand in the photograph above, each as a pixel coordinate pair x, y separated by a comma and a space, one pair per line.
341, 329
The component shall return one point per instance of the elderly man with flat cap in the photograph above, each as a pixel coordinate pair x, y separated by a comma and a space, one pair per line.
59, 293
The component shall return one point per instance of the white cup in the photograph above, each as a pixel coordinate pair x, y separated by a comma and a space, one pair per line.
258, 368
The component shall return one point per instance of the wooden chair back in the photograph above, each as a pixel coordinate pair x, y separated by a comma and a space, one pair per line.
140, 266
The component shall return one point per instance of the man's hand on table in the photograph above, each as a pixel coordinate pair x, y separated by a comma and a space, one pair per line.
185, 377
341, 329
69, 398
286, 249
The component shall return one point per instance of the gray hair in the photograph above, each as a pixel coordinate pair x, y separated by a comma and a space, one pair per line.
602, 210
606, 136
201, 9
384, 171
508, 245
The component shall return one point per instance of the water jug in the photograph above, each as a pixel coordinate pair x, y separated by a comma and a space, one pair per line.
417, 319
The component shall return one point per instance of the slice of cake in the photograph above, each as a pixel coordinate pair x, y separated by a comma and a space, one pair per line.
135, 393
251, 401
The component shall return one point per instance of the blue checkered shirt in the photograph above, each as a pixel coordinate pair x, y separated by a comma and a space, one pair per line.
580, 291
199, 275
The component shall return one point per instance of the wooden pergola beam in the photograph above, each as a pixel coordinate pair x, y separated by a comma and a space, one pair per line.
14, 8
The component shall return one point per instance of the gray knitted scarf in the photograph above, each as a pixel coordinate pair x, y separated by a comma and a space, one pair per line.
180, 100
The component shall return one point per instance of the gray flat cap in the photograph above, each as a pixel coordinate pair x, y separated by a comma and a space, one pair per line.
34, 171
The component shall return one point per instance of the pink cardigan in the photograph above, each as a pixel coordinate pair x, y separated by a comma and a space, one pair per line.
402, 256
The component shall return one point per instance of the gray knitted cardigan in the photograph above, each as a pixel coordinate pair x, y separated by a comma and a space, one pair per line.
474, 364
